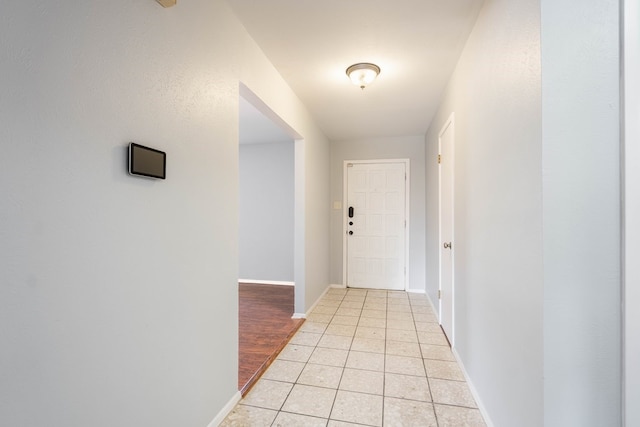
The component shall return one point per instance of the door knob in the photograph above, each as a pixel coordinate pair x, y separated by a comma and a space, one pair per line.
447, 245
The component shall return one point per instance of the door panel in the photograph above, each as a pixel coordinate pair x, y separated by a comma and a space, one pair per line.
375, 242
446, 231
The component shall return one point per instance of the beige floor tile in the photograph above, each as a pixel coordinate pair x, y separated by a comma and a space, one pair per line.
329, 356
362, 381
357, 408
455, 416
377, 293
335, 341
422, 309
443, 370
399, 308
405, 325
334, 423
333, 296
342, 330
370, 333
376, 299
305, 338
451, 393
369, 345
395, 315
429, 317
283, 370
320, 376
434, 339
354, 298
322, 309
406, 387
400, 335
424, 326
345, 320
319, 318
376, 314
354, 291
398, 412
352, 304
371, 322
419, 301
296, 353
375, 306
243, 416
363, 360
433, 328
308, 400
336, 291
404, 365
424, 317
314, 327
285, 419
438, 352
329, 303
399, 348
267, 394
345, 311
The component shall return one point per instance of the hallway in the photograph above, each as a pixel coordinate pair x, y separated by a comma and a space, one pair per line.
363, 357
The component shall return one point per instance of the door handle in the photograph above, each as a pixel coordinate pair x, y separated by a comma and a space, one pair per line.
447, 245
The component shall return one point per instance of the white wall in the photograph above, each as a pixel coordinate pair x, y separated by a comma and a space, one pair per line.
118, 303
266, 211
632, 211
406, 147
495, 94
581, 212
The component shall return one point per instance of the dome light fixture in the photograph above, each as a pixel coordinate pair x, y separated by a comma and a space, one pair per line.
363, 73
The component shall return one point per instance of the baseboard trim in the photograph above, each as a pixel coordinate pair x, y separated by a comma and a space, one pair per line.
299, 316
225, 410
266, 282
338, 286
416, 291
474, 392
306, 315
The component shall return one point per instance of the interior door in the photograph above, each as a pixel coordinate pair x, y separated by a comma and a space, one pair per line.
446, 230
375, 216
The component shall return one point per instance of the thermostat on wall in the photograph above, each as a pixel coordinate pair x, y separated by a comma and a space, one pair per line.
145, 161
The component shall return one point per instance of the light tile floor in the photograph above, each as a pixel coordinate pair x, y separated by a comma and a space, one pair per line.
363, 357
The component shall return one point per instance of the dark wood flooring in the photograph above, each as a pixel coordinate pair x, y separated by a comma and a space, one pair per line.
265, 328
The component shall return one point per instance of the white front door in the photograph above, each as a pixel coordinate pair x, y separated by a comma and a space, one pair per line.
375, 218
446, 229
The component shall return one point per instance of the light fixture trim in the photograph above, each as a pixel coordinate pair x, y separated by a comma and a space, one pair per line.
363, 73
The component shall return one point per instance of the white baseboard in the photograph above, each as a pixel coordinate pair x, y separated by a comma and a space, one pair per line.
299, 316
338, 286
226, 410
416, 291
266, 282
474, 392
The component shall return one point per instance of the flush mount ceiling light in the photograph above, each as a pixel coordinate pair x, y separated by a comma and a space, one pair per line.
363, 73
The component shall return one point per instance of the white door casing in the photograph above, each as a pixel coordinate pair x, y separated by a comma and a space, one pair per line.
376, 237
447, 245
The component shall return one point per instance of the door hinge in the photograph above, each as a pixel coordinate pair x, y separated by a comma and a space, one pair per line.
439, 294
439, 158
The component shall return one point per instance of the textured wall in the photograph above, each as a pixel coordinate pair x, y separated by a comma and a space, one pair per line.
266, 211
581, 180
118, 295
495, 94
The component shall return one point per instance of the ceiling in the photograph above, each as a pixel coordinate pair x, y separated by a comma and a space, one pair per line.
416, 43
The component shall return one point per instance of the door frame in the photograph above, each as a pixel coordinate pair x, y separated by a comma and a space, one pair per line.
450, 122
407, 201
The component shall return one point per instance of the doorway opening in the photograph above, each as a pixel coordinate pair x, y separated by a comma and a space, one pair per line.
269, 229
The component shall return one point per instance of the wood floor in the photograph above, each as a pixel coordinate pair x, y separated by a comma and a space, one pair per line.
265, 328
